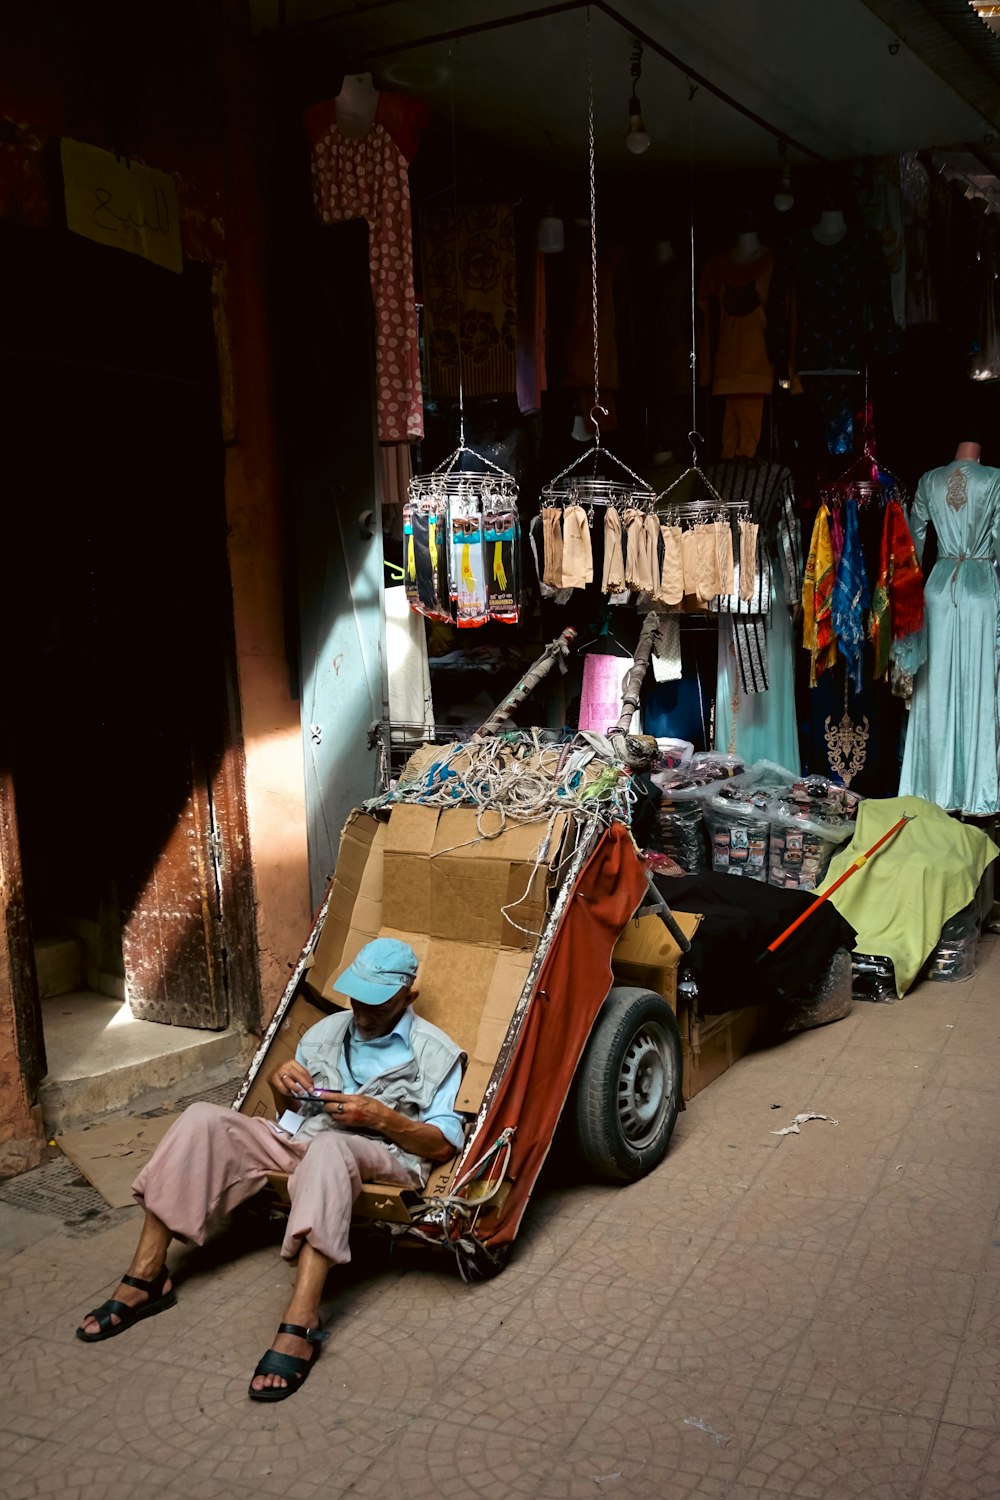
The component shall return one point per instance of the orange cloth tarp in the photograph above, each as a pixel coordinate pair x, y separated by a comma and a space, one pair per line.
572, 985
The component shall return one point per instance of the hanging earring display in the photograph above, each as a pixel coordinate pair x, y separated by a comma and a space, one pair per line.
571, 487
460, 526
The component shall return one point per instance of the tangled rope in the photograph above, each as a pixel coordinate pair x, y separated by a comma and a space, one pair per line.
516, 778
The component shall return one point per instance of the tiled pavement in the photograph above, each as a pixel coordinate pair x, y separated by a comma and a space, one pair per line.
813, 1316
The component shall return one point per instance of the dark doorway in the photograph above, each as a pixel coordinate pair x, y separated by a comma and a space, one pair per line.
117, 690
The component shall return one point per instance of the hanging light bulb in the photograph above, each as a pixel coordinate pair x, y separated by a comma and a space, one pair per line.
636, 140
784, 198
551, 232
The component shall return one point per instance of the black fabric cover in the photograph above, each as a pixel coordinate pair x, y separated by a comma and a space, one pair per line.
740, 918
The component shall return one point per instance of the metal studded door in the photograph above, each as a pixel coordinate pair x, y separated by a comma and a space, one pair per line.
172, 936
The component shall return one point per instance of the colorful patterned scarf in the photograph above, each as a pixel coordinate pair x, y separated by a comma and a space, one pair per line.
851, 597
898, 603
817, 599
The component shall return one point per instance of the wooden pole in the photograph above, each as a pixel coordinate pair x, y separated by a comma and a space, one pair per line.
862, 859
532, 677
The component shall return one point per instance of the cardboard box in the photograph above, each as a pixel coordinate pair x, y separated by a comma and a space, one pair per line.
444, 879
711, 1045
647, 956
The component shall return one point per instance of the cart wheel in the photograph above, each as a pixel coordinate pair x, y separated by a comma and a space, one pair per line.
628, 1086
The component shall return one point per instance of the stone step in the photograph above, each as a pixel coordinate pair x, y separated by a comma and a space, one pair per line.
61, 966
101, 1059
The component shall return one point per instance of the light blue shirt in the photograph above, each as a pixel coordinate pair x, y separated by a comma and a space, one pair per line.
364, 1060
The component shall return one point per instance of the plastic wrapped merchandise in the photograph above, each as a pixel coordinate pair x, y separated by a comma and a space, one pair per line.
801, 848
681, 819
672, 754
954, 958
680, 833
738, 826
874, 977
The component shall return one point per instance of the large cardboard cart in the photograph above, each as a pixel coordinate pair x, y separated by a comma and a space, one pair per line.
516, 929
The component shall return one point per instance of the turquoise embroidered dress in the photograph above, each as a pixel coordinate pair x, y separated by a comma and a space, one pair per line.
953, 739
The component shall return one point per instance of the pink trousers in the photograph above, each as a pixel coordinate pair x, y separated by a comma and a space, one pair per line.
213, 1159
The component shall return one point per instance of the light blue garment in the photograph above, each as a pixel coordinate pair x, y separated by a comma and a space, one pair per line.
364, 1060
765, 722
953, 739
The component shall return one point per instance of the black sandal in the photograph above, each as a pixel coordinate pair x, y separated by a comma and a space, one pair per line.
158, 1302
289, 1366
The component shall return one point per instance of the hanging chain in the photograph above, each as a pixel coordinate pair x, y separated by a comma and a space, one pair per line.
694, 435
458, 291
597, 407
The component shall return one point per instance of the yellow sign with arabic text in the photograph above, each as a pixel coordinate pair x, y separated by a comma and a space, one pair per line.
119, 202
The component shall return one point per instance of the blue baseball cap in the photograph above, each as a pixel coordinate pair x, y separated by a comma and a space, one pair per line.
382, 968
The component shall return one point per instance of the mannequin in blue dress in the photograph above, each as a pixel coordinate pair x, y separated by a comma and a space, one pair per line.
953, 739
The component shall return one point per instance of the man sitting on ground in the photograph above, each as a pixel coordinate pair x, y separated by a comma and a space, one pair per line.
376, 1087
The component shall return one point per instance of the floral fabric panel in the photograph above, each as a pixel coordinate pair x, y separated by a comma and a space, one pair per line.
470, 300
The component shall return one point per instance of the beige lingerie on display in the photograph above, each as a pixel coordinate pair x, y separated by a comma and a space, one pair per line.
748, 558
671, 590
553, 540
724, 557
638, 562
613, 580
709, 581
689, 562
577, 557
652, 528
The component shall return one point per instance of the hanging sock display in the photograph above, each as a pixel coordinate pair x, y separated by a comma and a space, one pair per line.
578, 557
425, 563
503, 565
613, 580
468, 565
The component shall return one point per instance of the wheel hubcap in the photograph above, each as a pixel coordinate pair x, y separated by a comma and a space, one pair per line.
645, 1086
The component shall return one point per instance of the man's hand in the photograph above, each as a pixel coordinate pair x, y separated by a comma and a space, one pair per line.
356, 1111
362, 1112
291, 1079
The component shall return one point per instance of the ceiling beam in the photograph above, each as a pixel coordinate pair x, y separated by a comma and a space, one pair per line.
954, 43
523, 17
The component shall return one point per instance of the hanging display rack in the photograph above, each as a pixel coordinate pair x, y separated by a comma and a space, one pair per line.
571, 486
491, 485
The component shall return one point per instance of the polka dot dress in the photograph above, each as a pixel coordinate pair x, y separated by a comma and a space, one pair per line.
368, 179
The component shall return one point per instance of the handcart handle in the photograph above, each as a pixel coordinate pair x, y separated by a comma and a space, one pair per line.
654, 904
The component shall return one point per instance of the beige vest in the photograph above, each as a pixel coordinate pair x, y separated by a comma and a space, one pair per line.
408, 1088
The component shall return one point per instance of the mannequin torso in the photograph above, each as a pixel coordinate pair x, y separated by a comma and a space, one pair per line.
356, 105
747, 248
